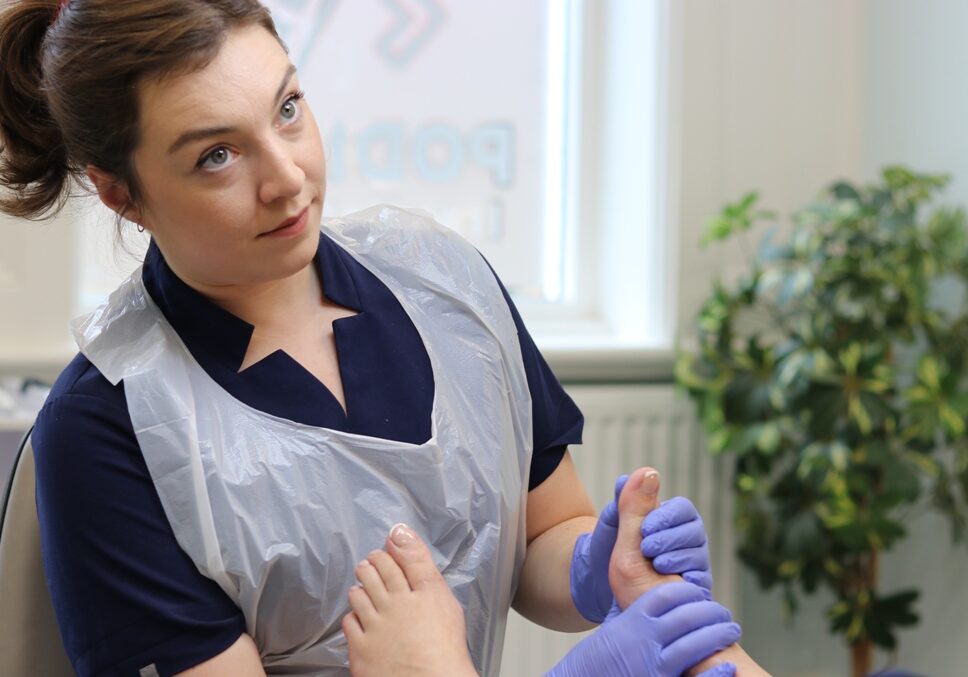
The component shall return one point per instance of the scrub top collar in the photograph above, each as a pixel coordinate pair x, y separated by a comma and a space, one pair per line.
213, 332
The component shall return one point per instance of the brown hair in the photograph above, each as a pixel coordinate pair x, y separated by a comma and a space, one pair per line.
69, 78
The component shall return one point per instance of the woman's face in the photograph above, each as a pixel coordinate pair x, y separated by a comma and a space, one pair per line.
231, 167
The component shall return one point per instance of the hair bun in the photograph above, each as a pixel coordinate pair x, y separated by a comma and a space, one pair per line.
33, 160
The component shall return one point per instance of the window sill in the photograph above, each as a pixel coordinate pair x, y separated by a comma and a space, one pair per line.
611, 364
586, 364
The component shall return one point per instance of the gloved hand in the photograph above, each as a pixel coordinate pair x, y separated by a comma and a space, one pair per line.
675, 540
662, 634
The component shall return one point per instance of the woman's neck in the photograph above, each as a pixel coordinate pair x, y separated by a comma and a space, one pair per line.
272, 304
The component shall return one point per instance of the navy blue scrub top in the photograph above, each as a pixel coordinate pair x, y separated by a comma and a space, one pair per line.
126, 596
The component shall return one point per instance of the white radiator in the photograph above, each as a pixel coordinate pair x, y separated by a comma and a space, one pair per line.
627, 427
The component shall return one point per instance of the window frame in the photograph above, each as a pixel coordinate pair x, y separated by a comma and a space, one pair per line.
616, 319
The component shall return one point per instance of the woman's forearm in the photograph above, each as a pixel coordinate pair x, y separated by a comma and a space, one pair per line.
544, 587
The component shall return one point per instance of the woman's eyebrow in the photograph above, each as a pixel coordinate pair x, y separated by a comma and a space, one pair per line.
197, 134
285, 82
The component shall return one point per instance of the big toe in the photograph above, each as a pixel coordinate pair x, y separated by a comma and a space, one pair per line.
413, 556
639, 497
630, 574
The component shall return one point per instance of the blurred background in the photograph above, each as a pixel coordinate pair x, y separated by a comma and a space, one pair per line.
582, 145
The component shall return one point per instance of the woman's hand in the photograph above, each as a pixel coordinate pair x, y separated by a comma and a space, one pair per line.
674, 538
663, 633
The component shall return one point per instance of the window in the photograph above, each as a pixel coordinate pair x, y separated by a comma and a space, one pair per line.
535, 129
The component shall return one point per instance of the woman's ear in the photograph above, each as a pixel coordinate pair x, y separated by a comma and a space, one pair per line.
114, 194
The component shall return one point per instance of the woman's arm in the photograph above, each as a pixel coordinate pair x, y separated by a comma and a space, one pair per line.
239, 660
119, 580
558, 511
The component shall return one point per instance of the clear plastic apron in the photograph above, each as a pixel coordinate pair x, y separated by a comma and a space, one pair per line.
279, 513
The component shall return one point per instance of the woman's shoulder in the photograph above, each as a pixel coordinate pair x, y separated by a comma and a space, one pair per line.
80, 378
79, 388
83, 417
122, 588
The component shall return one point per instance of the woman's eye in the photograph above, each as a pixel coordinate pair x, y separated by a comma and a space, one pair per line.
291, 109
216, 159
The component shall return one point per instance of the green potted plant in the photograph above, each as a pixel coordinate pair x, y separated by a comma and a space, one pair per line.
839, 383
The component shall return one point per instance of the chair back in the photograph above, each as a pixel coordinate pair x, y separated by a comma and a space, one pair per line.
30, 641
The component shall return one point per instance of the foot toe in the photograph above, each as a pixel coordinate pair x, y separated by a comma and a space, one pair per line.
630, 574
413, 556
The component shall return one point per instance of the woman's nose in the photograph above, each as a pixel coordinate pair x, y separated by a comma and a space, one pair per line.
282, 177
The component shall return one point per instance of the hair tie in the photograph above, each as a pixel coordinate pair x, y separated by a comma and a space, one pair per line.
60, 8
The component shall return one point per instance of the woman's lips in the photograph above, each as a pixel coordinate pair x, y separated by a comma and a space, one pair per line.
290, 227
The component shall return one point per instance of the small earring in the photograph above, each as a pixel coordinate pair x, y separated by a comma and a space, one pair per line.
141, 228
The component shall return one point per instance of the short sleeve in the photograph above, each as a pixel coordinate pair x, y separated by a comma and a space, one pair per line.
556, 420
125, 595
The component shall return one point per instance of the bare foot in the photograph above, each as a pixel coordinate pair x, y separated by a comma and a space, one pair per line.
630, 574
405, 620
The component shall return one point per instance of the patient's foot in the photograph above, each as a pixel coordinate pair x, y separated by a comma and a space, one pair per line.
405, 620
629, 573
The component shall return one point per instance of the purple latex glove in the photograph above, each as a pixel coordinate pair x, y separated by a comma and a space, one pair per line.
675, 541
662, 634
674, 538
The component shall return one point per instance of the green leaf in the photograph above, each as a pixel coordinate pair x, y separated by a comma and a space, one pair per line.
929, 373
717, 228
898, 607
844, 191
720, 440
885, 614
768, 438
734, 218
746, 483
859, 415
839, 455
802, 536
746, 398
748, 201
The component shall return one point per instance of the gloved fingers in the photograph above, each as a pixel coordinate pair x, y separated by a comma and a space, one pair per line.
721, 670
698, 645
671, 513
603, 536
588, 575
619, 485
679, 561
704, 579
613, 613
663, 598
688, 535
610, 514
687, 618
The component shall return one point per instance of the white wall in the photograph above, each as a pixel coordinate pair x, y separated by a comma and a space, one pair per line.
771, 100
785, 97
36, 276
916, 103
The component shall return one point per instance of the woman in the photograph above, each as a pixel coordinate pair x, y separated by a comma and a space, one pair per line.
255, 407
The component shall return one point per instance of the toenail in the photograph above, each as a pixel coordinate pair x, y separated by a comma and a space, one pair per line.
650, 484
401, 535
